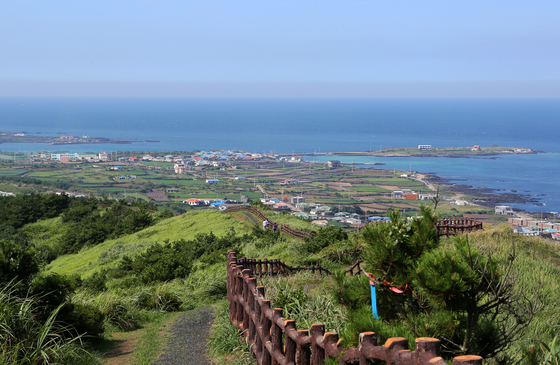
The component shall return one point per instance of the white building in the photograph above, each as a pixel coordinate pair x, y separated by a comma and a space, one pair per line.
61, 156
180, 168
297, 200
503, 210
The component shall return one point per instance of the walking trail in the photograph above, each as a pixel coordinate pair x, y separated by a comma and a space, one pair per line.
187, 342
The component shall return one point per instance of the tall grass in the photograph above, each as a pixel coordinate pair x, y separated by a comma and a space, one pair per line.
227, 344
24, 339
538, 265
305, 298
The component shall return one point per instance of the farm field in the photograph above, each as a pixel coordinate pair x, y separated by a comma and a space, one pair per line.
346, 188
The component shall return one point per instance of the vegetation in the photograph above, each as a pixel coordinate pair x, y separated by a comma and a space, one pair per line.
92, 270
426, 289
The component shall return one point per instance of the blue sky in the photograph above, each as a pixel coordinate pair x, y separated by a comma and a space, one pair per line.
280, 48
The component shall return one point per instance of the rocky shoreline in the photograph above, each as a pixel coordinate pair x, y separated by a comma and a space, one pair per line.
483, 196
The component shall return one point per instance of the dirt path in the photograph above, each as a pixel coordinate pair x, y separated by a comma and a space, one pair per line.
187, 342
251, 218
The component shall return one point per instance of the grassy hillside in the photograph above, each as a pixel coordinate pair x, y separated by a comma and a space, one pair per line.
105, 255
130, 304
538, 264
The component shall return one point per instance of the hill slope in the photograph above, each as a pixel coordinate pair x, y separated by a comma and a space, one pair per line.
186, 226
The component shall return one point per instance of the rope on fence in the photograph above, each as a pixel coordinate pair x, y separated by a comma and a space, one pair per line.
276, 340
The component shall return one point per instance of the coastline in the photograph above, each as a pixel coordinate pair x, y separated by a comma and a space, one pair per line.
486, 181
447, 152
486, 197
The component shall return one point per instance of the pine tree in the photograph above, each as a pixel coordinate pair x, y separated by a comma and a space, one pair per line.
451, 292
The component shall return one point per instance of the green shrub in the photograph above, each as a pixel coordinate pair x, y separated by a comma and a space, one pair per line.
286, 297
96, 283
119, 315
161, 300
53, 290
45, 255
323, 238
88, 319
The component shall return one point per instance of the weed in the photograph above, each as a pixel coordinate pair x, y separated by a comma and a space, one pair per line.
225, 339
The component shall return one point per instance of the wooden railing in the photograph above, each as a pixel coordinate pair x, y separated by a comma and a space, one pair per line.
276, 340
453, 226
283, 227
445, 226
276, 267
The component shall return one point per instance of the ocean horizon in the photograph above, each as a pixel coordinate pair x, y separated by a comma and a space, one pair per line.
318, 125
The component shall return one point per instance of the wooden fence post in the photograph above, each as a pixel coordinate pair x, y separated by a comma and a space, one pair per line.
317, 353
258, 323
252, 283
290, 348
426, 349
239, 293
467, 360
393, 346
265, 323
276, 335
303, 355
367, 341
246, 310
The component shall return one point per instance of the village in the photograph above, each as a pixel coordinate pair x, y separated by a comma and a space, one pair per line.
324, 193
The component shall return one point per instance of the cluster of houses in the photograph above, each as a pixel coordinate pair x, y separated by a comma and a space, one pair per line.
220, 204
4, 193
533, 227
289, 182
210, 158
289, 159
407, 194
213, 159
70, 157
275, 204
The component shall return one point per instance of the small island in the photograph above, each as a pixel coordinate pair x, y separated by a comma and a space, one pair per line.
24, 137
429, 151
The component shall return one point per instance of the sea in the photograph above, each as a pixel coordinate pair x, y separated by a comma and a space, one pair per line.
307, 125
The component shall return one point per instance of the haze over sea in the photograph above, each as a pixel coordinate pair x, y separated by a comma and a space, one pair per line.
321, 125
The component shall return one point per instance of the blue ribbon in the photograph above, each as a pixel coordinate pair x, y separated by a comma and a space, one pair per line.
374, 302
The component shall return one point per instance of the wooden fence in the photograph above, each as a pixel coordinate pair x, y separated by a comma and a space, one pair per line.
277, 341
445, 226
276, 267
453, 226
283, 227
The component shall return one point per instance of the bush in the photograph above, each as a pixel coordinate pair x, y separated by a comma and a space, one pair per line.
53, 290
323, 238
161, 300
45, 255
88, 319
97, 282
119, 315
